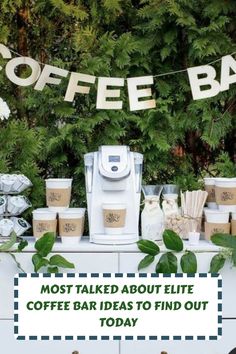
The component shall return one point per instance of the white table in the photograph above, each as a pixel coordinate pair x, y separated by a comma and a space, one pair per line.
89, 257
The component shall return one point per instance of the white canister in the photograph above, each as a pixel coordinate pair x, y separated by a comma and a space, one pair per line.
216, 216
58, 193
225, 189
152, 219
114, 218
71, 225
44, 221
6, 227
170, 204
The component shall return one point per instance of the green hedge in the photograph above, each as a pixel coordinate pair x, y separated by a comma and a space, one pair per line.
182, 140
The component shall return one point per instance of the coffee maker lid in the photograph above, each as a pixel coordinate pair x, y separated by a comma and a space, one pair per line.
114, 161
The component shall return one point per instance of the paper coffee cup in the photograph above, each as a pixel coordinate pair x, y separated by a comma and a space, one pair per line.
58, 193
6, 227
44, 221
71, 225
215, 228
233, 227
216, 216
210, 189
225, 190
114, 216
3, 203
8, 182
20, 225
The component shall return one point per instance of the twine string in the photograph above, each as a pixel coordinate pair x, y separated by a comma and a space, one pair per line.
157, 75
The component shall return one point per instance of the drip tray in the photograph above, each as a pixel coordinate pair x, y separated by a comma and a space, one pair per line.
123, 239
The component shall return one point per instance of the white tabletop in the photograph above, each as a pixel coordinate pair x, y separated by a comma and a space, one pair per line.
85, 246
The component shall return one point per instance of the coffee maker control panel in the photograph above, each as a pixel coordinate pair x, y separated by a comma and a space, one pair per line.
114, 162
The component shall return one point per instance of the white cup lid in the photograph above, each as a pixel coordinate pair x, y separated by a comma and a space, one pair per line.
42, 211
114, 206
79, 212
58, 180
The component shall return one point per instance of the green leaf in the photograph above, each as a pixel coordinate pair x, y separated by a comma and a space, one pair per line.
8, 244
60, 261
39, 262
52, 270
217, 263
148, 247
45, 244
172, 241
22, 245
167, 263
224, 240
146, 261
188, 262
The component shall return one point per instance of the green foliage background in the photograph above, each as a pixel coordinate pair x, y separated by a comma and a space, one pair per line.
182, 140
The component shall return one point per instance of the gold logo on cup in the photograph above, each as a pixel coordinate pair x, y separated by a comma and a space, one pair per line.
112, 218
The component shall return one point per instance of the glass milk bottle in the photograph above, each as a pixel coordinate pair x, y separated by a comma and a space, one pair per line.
152, 218
170, 203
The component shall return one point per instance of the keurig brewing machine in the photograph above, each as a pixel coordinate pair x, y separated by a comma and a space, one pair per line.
113, 186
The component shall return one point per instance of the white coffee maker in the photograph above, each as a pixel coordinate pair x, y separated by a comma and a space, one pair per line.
113, 177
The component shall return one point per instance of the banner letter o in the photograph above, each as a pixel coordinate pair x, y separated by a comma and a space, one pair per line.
15, 62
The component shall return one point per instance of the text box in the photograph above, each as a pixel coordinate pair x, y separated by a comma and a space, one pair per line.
117, 306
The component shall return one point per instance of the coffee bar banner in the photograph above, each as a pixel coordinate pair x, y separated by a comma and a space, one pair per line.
117, 306
202, 79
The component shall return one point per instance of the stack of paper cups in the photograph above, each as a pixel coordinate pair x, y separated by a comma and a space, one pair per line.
58, 193
217, 221
44, 220
210, 189
71, 225
225, 189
